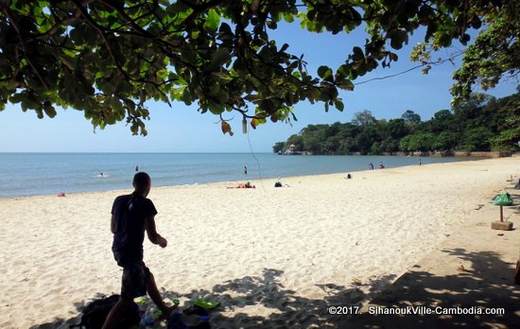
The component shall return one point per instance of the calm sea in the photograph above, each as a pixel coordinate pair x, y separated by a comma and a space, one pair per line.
48, 173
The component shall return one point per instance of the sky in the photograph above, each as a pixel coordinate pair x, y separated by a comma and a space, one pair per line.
183, 129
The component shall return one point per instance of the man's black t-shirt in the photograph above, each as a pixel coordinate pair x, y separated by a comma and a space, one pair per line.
129, 212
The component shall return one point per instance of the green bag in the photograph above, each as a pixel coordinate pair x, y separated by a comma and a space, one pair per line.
206, 304
503, 199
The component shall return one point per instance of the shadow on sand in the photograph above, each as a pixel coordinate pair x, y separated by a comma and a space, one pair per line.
283, 308
488, 283
515, 195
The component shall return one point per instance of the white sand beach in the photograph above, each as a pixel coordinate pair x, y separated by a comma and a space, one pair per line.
261, 252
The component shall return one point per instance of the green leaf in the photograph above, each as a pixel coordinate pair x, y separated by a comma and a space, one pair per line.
288, 17
339, 105
220, 57
255, 122
325, 72
50, 111
358, 54
222, 76
397, 38
212, 20
345, 84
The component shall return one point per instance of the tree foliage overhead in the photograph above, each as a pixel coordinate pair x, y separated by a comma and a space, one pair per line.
109, 58
481, 123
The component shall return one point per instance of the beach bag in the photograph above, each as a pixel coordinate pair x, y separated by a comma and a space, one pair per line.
94, 314
192, 318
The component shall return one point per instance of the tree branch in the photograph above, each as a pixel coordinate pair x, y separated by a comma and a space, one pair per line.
15, 26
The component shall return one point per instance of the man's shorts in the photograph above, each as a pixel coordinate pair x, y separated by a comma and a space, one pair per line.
135, 277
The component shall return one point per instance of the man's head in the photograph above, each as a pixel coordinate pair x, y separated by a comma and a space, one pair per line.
142, 183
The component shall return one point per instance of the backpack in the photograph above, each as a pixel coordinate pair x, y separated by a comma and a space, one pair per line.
192, 318
94, 314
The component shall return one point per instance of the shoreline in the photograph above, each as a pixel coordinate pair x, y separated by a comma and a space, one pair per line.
245, 179
477, 155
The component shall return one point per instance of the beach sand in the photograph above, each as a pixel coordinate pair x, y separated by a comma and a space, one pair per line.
274, 257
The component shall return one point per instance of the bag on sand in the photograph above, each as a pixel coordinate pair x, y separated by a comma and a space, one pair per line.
192, 318
95, 313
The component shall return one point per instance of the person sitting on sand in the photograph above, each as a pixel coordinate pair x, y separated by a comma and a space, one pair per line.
132, 215
279, 183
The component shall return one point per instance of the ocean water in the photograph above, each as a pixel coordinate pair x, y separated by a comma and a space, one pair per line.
49, 173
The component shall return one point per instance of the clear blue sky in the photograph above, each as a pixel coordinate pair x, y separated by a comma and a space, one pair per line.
183, 129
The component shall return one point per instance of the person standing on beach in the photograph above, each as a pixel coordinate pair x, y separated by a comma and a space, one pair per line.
132, 215
371, 166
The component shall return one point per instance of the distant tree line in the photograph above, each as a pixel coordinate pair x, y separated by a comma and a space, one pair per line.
482, 123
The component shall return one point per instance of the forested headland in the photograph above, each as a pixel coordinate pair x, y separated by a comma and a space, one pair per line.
482, 123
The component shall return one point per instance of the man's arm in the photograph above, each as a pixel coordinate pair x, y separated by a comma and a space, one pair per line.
153, 236
114, 211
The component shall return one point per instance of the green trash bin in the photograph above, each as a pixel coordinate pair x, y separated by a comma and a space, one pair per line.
503, 199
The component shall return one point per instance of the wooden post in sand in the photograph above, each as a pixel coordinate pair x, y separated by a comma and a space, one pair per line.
502, 199
501, 225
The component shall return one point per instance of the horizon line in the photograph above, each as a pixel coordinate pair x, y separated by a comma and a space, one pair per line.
115, 152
